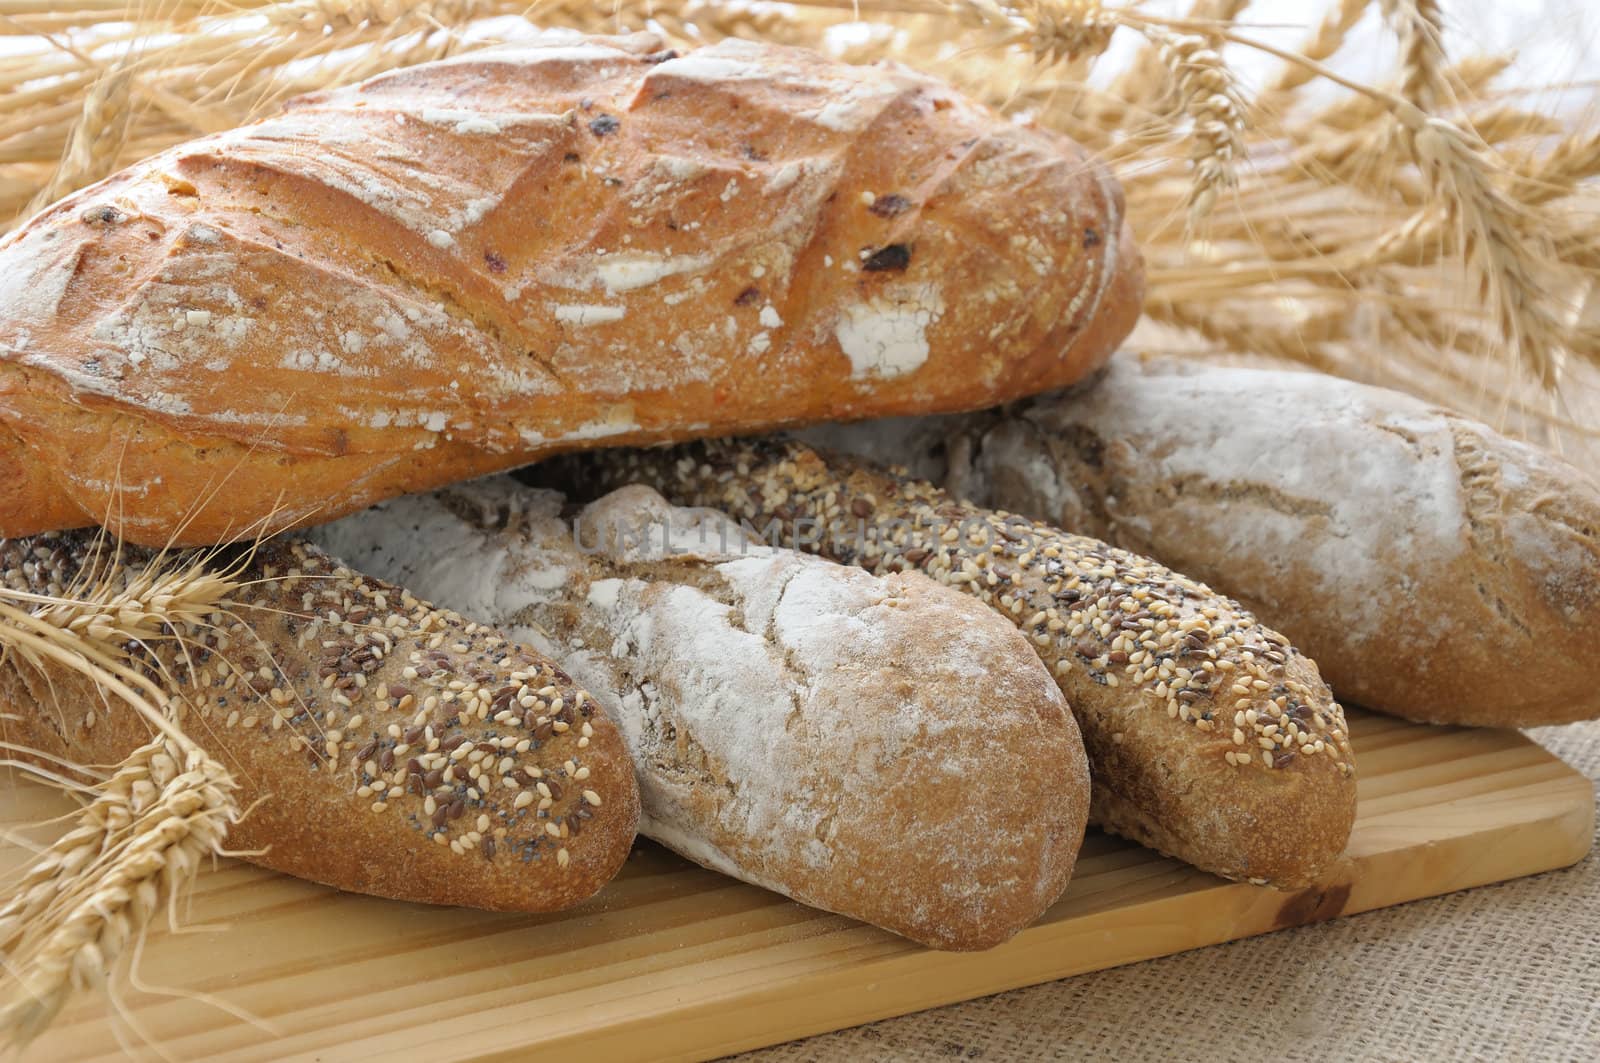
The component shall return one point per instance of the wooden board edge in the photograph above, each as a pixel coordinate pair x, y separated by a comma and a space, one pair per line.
736, 1021
852, 974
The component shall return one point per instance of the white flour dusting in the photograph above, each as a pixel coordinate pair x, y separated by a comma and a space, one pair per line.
588, 314
624, 273
464, 122
888, 336
726, 60
773, 732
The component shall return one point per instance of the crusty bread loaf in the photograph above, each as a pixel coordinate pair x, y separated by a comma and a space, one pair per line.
453, 267
380, 745
1434, 568
1209, 736
879, 747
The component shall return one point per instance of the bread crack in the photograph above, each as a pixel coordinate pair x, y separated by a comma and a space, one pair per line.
453, 305
1196, 485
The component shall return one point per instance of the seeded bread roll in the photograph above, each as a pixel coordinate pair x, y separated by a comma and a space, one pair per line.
457, 266
1209, 736
879, 747
381, 745
1434, 568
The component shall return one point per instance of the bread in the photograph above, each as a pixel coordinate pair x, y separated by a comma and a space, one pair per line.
454, 267
1209, 736
878, 747
1434, 568
356, 720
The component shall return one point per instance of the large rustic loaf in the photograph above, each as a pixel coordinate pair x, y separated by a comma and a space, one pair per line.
1434, 568
454, 267
380, 745
879, 747
1209, 736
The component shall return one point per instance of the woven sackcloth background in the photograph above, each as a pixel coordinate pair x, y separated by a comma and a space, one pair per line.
1506, 972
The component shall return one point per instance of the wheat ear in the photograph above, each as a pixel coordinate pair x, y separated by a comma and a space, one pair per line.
1061, 30
1492, 230
154, 601
1558, 173
95, 141
1211, 97
1150, 74
1422, 62
1496, 242
1508, 257
1323, 43
1050, 31
138, 844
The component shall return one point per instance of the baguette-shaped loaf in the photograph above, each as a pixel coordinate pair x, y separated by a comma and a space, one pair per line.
380, 745
455, 267
1434, 568
1209, 736
883, 748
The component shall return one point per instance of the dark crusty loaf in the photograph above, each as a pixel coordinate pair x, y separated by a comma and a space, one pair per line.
1434, 568
381, 745
1209, 736
881, 747
454, 267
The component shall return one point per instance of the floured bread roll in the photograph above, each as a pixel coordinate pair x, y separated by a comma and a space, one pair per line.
881, 747
1412, 551
1210, 736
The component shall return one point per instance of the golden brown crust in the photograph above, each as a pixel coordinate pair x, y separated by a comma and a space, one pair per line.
449, 269
356, 771
881, 747
1209, 736
25, 488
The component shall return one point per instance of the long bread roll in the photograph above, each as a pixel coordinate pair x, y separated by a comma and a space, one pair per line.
381, 745
879, 747
1434, 568
454, 267
1209, 736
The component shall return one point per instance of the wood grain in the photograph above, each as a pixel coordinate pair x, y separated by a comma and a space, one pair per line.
674, 962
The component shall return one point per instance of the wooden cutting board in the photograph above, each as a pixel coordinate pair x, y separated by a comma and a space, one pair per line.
674, 962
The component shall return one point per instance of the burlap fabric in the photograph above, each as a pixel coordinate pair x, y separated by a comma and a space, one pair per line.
1507, 972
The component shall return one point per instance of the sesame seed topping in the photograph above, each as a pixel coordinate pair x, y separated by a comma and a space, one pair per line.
1100, 617
375, 689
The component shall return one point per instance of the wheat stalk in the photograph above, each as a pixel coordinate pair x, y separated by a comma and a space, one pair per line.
139, 842
1419, 26
1300, 341
1151, 73
154, 601
1335, 207
137, 846
95, 141
1559, 172
1211, 98
1491, 228
1321, 46
1496, 241
1505, 255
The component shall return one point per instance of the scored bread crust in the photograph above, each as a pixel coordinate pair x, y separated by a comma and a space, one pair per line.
880, 747
1209, 736
1416, 554
358, 722
455, 267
